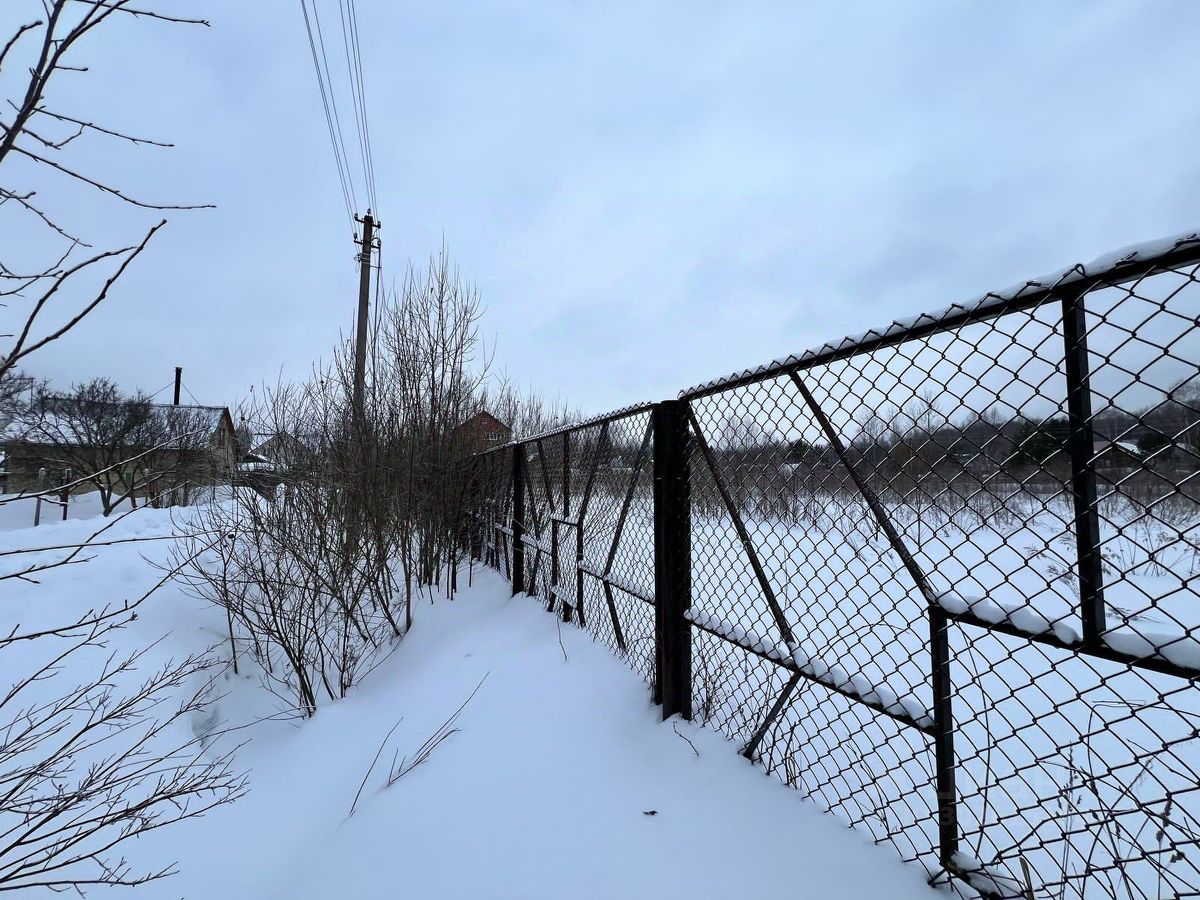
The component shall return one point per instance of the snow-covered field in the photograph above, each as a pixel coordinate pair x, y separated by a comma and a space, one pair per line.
1078, 767
559, 782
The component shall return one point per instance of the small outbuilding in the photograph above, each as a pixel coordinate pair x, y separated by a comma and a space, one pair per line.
481, 432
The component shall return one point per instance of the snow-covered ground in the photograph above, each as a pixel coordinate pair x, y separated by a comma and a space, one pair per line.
560, 781
1032, 722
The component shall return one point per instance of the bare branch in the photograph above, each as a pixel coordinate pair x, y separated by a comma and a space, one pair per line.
118, 6
24, 29
92, 126
20, 351
23, 200
105, 188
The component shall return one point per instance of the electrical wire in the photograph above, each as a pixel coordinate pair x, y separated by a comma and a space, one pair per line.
353, 51
363, 99
334, 132
347, 176
337, 119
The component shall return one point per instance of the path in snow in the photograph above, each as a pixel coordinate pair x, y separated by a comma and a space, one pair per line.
544, 792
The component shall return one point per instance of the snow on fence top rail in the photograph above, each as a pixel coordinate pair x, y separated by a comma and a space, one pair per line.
1112, 268
622, 413
1166, 648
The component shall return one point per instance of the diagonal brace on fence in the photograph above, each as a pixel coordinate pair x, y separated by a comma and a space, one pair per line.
628, 499
938, 640
785, 630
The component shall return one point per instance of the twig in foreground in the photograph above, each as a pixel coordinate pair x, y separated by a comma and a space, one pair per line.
387, 737
426, 749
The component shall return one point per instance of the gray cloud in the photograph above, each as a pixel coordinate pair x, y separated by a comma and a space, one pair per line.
648, 194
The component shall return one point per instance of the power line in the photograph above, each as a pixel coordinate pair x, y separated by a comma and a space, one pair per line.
348, 177
343, 174
337, 119
352, 47
354, 70
362, 93
161, 389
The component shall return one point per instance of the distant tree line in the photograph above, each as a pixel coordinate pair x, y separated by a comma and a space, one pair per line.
918, 438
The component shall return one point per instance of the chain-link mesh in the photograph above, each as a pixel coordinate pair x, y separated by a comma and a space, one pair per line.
588, 527
943, 575
489, 510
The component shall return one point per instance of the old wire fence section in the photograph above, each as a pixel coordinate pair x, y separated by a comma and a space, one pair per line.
939, 577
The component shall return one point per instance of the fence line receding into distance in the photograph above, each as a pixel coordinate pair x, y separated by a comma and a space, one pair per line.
940, 577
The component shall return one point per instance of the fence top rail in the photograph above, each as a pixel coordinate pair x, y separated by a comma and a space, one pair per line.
622, 413
1117, 267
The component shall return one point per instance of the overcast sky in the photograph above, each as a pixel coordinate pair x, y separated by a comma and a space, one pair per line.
647, 194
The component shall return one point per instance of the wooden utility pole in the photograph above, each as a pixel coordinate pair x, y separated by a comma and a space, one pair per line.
178, 382
364, 298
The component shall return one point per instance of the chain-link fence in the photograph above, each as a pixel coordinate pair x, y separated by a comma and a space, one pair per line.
940, 577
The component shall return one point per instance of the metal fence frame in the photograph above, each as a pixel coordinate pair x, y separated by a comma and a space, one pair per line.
509, 532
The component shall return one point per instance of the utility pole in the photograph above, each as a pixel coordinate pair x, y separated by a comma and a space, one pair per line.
178, 382
364, 297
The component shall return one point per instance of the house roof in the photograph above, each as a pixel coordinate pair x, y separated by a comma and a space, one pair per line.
482, 416
166, 425
1099, 445
268, 444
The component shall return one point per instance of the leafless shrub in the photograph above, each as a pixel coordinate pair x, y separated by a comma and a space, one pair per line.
320, 564
88, 766
302, 573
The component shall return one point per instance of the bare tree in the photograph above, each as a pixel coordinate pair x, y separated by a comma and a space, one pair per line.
91, 755
86, 434
430, 342
15, 391
123, 446
71, 276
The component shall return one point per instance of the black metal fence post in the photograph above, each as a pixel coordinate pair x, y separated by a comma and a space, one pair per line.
943, 739
497, 509
566, 608
518, 519
672, 559
470, 506
1081, 447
